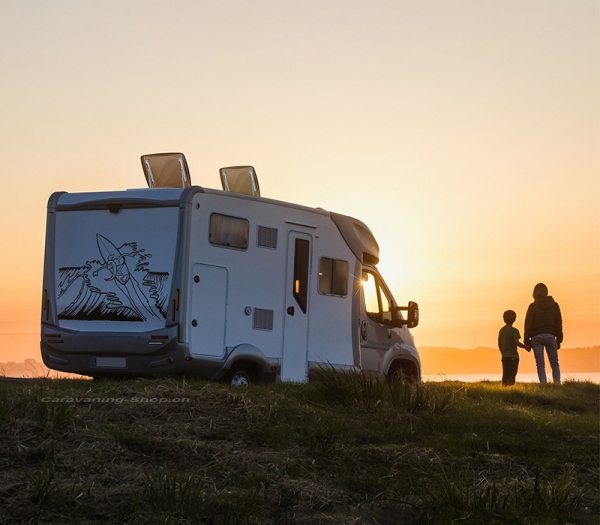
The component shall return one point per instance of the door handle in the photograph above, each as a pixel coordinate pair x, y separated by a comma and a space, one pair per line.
364, 327
290, 310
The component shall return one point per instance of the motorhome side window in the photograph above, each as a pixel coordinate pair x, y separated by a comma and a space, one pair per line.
377, 302
333, 277
228, 231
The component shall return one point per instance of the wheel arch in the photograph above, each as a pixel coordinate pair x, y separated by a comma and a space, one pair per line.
405, 358
406, 366
248, 356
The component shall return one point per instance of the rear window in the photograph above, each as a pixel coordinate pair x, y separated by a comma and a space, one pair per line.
228, 231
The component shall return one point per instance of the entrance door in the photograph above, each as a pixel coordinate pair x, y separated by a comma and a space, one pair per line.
209, 306
295, 333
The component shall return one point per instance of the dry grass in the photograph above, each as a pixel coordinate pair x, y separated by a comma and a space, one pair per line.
297, 454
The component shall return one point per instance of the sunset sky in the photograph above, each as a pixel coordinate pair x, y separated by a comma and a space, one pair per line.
465, 134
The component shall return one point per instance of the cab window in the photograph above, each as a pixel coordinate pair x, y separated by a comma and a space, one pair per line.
378, 303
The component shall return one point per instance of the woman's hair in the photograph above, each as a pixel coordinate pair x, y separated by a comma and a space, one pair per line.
540, 291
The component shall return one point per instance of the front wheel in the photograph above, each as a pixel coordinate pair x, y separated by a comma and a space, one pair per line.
402, 372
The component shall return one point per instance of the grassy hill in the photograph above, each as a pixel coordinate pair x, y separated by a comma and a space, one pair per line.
341, 449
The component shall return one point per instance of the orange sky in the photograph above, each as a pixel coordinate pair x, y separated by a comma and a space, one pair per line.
465, 133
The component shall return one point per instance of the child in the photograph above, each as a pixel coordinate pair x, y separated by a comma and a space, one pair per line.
508, 340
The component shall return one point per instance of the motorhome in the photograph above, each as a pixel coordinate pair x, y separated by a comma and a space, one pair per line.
222, 284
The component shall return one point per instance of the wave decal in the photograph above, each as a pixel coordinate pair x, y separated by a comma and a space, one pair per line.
107, 290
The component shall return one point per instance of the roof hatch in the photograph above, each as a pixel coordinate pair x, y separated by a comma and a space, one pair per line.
166, 170
240, 179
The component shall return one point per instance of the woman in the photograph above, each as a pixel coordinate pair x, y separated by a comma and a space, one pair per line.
543, 329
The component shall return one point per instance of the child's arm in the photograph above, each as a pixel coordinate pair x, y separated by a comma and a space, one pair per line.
521, 345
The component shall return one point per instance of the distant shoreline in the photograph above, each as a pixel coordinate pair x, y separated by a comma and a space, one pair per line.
485, 360
594, 377
435, 362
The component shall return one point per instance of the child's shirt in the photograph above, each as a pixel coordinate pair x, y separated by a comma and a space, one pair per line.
507, 341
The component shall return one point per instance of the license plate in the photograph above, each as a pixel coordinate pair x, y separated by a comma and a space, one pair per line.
110, 362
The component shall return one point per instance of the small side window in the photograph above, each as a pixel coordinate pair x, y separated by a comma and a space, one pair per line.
228, 231
333, 277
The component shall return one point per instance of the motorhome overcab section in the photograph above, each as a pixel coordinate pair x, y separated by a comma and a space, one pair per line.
222, 285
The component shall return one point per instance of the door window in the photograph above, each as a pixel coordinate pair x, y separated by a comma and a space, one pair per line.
386, 306
301, 266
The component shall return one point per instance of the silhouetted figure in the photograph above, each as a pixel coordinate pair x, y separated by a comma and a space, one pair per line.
508, 340
543, 329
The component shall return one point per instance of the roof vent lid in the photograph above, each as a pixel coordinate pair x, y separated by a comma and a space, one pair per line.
240, 179
166, 170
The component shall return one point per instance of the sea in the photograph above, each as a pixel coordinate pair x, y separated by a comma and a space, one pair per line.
521, 378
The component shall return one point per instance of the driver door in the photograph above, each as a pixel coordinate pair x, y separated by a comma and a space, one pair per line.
376, 330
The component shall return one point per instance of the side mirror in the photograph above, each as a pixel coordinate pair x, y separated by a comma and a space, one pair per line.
412, 317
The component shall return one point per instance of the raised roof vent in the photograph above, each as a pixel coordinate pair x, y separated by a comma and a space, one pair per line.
166, 170
240, 179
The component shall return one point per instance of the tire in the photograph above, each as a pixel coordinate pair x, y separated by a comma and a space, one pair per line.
241, 376
401, 372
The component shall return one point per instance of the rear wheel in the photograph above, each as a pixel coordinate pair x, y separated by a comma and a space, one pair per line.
242, 376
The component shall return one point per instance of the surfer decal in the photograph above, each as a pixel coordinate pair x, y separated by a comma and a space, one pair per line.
117, 287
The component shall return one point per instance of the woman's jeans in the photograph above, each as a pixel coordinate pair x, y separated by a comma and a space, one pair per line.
538, 342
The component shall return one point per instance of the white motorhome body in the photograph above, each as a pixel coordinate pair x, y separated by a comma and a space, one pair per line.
216, 284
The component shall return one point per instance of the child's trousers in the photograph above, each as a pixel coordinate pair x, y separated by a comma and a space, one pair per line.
510, 365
